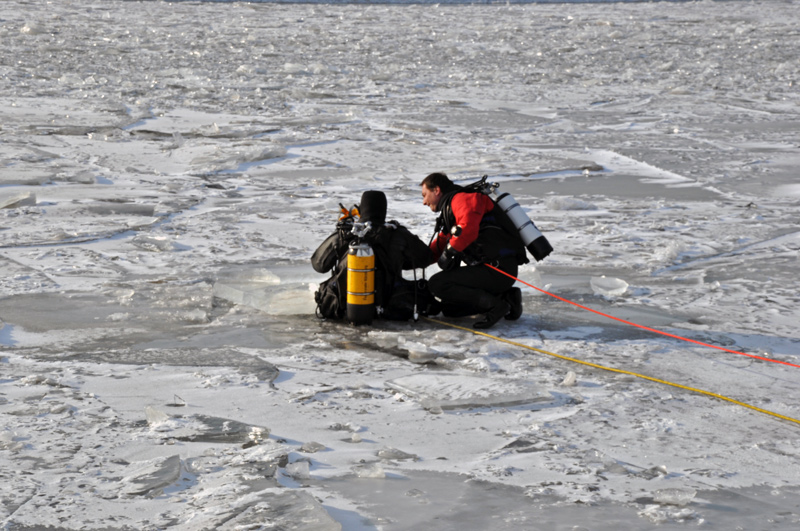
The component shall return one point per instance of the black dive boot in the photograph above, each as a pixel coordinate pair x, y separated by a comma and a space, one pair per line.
514, 299
490, 318
434, 308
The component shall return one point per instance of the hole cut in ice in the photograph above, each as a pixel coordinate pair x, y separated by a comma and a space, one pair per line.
279, 290
455, 391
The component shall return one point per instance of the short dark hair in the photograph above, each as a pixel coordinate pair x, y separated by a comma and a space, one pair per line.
438, 180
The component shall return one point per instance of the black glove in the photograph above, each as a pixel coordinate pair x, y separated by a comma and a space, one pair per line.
449, 259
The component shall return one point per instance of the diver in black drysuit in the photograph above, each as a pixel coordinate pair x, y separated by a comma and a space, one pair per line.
396, 249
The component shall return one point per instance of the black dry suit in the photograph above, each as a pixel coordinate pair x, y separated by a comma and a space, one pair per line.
395, 248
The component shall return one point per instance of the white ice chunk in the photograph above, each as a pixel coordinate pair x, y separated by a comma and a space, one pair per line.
157, 244
450, 391
197, 316
370, 470
290, 509
298, 470
206, 428
418, 352
155, 416
150, 477
608, 287
312, 447
661, 515
9, 440
31, 28
17, 199
394, 454
258, 433
675, 496
568, 203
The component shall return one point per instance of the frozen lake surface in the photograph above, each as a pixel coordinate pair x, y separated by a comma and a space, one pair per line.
167, 169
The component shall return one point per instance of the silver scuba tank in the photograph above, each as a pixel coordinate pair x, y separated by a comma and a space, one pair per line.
534, 240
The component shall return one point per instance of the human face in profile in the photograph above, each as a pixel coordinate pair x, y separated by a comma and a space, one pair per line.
431, 197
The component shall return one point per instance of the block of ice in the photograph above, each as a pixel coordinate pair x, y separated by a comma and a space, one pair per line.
418, 352
570, 379
17, 199
9, 440
370, 470
608, 287
156, 244
674, 496
298, 470
205, 428
568, 203
148, 478
452, 391
155, 416
291, 509
394, 454
312, 447
664, 515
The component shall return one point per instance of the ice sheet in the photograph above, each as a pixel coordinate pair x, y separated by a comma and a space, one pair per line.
167, 169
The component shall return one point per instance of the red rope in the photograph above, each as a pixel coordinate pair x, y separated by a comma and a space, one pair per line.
646, 327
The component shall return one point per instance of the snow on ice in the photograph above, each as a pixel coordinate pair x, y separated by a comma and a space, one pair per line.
167, 169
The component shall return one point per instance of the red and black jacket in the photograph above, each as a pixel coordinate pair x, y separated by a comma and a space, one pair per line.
482, 232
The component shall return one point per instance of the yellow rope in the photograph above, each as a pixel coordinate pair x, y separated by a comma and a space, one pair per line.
619, 371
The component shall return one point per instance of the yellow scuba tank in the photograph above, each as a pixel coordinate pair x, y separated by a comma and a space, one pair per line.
360, 283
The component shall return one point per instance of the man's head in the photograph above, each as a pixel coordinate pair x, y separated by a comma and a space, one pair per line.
434, 186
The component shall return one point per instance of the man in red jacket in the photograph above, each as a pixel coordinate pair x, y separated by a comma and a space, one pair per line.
469, 232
